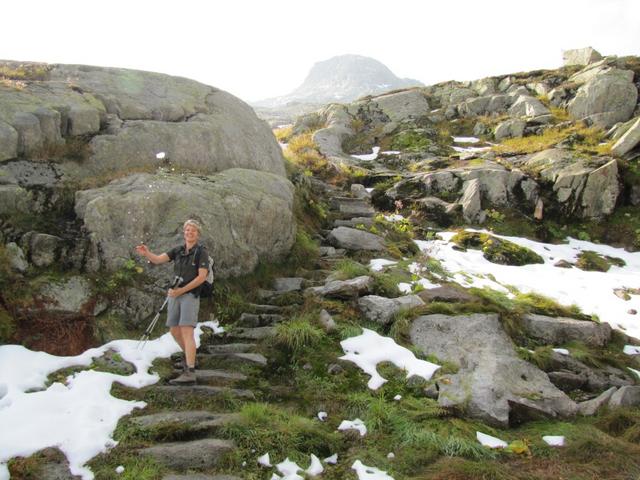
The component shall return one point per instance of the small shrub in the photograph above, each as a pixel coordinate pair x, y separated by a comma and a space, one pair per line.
411, 141
283, 134
298, 334
347, 269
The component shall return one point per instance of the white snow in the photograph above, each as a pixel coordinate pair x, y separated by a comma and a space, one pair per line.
465, 139
369, 156
591, 291
554, 440
322, 416
391, 455
378, 264
160, 155
562, 351
370, 348
370, 189
80, 416
394, 217
119, 469
397, 398
628, 349
405, 288
391, 152
369, 473
356, 424
333, 459
489, 441
264, 460
290, 470
315, 468
471, 149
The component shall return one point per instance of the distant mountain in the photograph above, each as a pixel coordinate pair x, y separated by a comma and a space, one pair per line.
342, 79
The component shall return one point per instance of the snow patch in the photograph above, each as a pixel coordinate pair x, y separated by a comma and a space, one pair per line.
489, 441
369, 473
554, 440
369, 349
356, 424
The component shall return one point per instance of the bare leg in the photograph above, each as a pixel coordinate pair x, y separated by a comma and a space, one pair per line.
189, 343
177, 336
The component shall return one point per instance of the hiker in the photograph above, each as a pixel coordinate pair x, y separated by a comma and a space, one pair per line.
191, 264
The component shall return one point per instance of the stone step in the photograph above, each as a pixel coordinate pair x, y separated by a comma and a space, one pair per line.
234, 357
230, 348
354, 222
195, 455
184, 392
186, 421
221, 378
256, 308
252, 320
259, 333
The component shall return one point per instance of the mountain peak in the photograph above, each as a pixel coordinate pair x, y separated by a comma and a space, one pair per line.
343, 78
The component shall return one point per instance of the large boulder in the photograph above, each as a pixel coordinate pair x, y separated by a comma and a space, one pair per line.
585, 188
606, 99
132, 116
246, 216
492, 382
403, 106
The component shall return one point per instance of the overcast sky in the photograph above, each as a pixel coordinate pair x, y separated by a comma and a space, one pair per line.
258, 49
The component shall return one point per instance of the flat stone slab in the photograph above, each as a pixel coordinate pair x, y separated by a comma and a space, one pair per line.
252, 320
193, 420
179, 393
219, 377
231, 348
259, 333
354, 239
558, 331
288, 284
265, 308
197, 454
250, 358
347, 289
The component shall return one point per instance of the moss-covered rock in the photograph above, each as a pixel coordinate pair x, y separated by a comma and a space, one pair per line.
594, 262
497, 250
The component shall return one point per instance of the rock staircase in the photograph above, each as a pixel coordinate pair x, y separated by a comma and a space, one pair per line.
226, 362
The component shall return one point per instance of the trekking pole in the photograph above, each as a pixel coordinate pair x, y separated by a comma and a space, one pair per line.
147, 333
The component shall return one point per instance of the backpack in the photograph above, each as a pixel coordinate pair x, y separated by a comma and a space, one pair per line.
206, 288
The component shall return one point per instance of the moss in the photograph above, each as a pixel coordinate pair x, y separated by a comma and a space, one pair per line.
497, 250
594, 262
579, 137
411, 141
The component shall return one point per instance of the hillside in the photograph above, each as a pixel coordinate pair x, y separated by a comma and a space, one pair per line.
443, 284
339, 79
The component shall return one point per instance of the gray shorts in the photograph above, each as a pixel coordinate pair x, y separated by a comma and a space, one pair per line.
183, 310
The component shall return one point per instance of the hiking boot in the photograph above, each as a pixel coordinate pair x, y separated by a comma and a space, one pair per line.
188, 377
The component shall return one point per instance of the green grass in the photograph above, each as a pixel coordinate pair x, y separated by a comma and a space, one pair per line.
347, 269
298, 333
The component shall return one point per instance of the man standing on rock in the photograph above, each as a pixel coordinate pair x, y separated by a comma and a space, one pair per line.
191, 265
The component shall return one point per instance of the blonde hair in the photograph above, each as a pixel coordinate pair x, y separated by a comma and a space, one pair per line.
193, 223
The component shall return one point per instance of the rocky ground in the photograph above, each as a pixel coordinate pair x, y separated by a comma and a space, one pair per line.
262, 384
